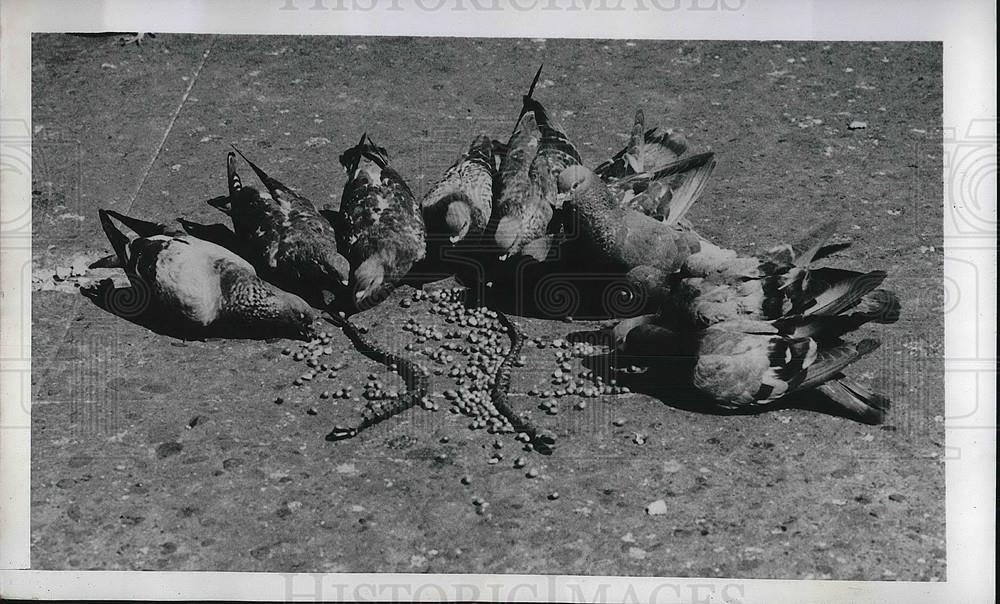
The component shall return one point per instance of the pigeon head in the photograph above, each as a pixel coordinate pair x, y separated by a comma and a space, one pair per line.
575, 178
584, 189
458, 219
649, 282
368, 277
651, 341
507, 234
337, 267
291, 314
620, 334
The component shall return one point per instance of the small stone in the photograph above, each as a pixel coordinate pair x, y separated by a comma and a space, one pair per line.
532, 473
857, 125
672, 466
311, 411
618, 422
897, 497
657, 508
168, 449
466, 480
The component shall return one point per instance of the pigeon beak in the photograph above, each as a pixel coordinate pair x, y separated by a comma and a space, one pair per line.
346, 282
503, 257
454, 239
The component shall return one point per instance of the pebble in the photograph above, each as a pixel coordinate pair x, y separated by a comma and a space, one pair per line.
657, 508
553, 496
168, 449
532, 473
466, 480
618, 422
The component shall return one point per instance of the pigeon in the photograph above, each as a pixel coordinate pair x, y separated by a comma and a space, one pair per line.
651, 176
716, 285
554, 145
748, 365
527, 192
646, 151
383, 225
647, 175
203, 285
611, 237
461, 203
283, 235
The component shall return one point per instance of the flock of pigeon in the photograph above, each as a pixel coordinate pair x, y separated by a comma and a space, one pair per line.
744, 332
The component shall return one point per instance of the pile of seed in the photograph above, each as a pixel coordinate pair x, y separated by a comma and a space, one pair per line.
469, 351
312, 354
562, 381
375, 393
480, 343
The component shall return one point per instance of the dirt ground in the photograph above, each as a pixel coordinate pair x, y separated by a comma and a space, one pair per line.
153, 453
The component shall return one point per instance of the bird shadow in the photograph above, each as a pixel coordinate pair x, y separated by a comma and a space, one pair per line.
554, 289
134, 304
669, 381
217, 233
